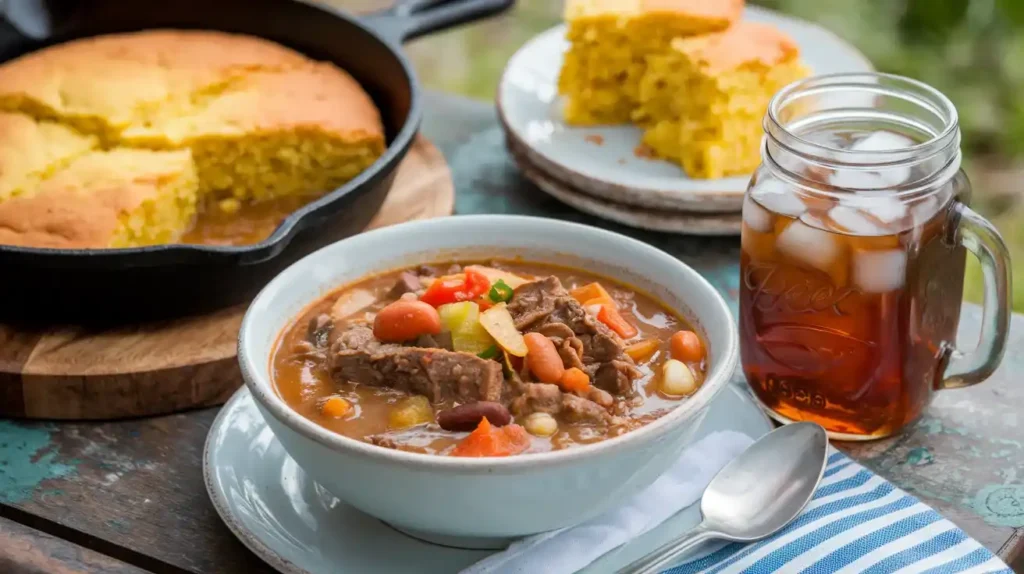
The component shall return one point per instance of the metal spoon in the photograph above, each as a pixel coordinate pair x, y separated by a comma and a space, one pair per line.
755, 495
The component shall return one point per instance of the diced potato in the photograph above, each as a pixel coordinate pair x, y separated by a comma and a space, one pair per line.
677, 379
493, 275
643, 350
541, 424
463, 320
498, 322
350, 302
410, 412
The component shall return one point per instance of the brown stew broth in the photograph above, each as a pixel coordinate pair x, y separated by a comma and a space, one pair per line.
304, 383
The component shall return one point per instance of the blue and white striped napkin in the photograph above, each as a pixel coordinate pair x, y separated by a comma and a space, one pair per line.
857, 523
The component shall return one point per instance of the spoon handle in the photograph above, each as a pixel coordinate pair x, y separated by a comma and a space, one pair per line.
663, 556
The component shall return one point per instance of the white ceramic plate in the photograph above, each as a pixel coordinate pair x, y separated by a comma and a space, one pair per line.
297, 527
654, 219
531, 112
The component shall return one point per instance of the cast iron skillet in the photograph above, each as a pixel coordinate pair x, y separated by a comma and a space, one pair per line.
172, 280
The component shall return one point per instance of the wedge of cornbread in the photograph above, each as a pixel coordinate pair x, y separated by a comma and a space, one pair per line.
119, 198
609, 41
705, 99
272, 133
103, 84
253, 120
31, 151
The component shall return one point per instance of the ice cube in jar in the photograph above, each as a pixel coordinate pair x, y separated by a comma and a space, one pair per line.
879, 270
815, 248
777, 197
882, 178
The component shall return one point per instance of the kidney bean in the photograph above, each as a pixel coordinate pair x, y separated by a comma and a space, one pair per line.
467, 417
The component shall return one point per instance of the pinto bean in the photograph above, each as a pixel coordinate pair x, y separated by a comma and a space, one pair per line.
543, 359
403, 321
467, 417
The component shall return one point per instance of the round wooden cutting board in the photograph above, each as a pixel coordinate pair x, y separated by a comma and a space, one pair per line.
158, 368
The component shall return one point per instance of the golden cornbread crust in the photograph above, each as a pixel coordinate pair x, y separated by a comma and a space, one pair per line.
253, 120
609, 41
31, 151
703, 100
102, 199
695, 77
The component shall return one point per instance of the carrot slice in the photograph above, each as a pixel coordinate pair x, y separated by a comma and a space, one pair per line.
643, 350
591, 291
610, 316
487, 440
574, 380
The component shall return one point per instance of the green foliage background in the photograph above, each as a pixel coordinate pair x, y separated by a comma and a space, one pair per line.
972, 50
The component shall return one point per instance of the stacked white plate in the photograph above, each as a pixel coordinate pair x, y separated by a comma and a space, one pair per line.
596, 169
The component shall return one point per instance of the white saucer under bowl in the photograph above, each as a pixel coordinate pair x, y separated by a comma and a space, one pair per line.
601, 160
651, 218
299, 528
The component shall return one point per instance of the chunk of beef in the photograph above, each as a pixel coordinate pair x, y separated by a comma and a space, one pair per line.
408, 282
545, 398
601, 397
442, 340
546, 307
616, 377
602, 347
428, 271
579, 409
319, 330
436, 374
571, 351
538, 398
556, 330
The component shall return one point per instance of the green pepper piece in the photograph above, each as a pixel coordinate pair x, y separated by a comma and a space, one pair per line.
500, 292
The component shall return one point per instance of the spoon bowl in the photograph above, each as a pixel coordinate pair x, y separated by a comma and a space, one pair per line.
765, 488
754, 496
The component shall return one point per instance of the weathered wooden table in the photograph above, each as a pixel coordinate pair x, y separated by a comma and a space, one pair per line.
128, 496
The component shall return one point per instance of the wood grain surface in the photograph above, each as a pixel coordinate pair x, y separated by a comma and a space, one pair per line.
30, 551
76, 373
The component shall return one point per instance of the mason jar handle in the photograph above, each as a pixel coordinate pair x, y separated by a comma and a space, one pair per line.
978, 236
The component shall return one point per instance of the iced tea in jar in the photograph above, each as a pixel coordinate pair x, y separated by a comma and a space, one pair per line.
855, 232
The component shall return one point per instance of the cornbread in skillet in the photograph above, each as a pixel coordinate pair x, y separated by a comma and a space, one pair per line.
101, 85
31, 151
609, 41
118, 198
706, 97
254, 120
270, 134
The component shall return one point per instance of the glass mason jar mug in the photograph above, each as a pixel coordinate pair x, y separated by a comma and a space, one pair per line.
855, 233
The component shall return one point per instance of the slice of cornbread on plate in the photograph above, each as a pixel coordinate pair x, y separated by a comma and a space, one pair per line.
706, 97
608, 43
119, 198
100, 85
30, 151
300, 131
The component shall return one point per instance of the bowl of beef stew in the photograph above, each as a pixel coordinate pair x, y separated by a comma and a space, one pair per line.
477, 378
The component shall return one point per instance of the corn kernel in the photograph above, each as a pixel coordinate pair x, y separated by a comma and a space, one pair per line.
540, 424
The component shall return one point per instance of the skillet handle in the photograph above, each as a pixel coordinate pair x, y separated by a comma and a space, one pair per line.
408, 19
